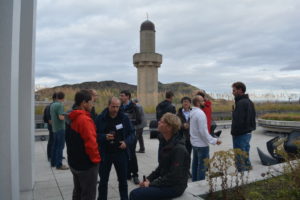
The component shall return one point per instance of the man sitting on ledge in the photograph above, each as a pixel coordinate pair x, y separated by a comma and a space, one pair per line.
169, 180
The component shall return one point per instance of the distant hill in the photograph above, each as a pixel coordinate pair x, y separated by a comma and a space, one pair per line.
102, 85
113, 87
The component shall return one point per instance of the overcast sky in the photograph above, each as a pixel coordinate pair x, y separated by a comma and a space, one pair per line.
207, 43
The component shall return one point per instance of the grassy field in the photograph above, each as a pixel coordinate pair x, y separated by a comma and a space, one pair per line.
218, 105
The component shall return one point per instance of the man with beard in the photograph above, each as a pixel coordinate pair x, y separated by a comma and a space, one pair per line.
200, 139
114, 134
243, 123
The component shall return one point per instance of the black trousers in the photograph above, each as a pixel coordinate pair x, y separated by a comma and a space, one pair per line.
120, 161
85, 183
133, 164
139, 136
188, 146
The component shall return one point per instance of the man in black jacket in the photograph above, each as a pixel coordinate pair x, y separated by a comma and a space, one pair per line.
114, 134
169, 179
165, 106
131, 110
243, 123
162, 108
47, 120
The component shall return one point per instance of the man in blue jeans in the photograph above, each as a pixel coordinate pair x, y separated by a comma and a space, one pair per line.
243, 123
200, 139
58, 126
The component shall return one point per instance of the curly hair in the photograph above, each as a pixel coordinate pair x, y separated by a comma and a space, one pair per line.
172, 120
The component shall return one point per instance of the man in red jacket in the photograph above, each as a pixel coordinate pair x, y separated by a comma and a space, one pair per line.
82, 147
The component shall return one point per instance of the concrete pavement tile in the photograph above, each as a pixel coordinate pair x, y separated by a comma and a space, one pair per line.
45, 184
67, 191
47, 193
147, 163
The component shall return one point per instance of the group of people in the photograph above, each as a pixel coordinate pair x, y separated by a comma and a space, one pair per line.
96, 142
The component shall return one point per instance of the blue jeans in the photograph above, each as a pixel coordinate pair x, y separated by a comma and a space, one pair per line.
120, 161
153, 193
242, 142
198, 164
50, 142
57, 148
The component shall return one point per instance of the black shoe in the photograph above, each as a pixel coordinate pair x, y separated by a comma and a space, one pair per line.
140, 151
136, 180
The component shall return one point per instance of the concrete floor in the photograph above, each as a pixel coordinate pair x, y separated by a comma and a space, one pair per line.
52, 184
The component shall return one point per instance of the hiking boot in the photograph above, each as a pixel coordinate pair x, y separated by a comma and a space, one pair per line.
63, 167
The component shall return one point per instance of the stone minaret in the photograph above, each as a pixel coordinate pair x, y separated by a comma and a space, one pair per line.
147, 63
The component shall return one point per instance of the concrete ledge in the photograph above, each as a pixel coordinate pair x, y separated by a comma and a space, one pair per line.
147, 57
279, 126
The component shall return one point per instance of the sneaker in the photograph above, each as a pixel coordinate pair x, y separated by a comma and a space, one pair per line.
63, 167
136, 180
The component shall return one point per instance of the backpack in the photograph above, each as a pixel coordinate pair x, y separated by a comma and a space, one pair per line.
161, 109
47, 116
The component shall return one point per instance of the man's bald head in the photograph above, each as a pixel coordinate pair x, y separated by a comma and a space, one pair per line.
198, 101
113, 100
113, 106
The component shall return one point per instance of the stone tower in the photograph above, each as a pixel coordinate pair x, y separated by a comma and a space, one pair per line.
147, 63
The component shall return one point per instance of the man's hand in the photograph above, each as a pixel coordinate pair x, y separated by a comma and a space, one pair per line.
61, 117
219, 142
186, 125
122, 145
145, 183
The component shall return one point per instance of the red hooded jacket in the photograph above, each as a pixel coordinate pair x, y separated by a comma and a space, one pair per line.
82, 123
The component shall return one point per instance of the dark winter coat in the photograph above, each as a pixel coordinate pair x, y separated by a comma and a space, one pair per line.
164, 107
127, 132
174, 165
243, 116
132, 112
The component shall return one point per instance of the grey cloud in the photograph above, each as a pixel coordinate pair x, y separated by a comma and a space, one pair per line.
206, 43
291, 68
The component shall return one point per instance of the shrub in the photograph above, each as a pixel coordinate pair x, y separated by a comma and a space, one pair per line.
282, 116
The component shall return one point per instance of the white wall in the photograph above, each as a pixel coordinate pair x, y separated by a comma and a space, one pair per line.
16, 102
